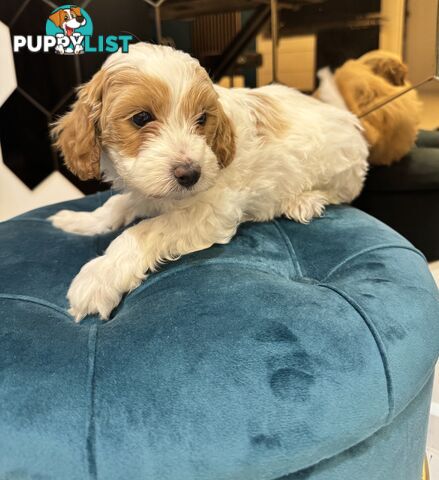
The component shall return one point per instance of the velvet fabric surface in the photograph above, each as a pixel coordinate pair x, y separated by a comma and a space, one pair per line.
296, 351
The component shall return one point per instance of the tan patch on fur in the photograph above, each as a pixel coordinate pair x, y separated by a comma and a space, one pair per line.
218, 129
200, 97
106, 104
270, 123
392, 129
130, 92
75, 133
387, 65
222, 138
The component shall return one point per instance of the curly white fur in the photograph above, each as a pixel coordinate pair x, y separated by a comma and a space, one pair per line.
319, 158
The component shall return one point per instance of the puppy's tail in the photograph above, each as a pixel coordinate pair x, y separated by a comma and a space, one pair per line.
328, 91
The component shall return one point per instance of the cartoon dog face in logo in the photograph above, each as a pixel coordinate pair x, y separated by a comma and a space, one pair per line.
68, 20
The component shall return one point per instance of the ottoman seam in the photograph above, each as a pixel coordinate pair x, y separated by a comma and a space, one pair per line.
344, 450
378, 341
152, 280
91, 425
292, 252
367, 250
38, 301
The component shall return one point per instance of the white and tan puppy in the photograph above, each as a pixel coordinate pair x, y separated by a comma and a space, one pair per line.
198, 160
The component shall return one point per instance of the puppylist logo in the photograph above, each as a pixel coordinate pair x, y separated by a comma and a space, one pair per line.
70, 25
69, 31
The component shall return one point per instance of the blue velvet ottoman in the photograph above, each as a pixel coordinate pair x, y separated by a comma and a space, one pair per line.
294, 352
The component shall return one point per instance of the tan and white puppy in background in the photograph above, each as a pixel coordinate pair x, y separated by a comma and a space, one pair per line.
198, 160
391, 130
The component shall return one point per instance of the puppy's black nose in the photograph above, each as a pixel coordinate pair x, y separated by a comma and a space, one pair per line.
187, 175
80, 18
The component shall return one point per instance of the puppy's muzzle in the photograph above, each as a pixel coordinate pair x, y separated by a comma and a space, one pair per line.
187, 175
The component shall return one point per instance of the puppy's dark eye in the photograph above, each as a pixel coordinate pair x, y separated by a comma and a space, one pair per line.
201, 120
142, 118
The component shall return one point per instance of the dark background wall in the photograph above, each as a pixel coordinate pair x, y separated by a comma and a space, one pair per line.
46, 81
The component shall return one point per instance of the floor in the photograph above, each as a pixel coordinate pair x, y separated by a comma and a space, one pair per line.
433, 431
433, 462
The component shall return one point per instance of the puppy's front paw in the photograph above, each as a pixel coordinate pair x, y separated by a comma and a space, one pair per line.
81, 223
306, 206
98, 288
93, 290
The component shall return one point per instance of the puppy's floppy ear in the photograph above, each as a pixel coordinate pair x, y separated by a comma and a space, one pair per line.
57, 17
76, 134
76, 11
223, 144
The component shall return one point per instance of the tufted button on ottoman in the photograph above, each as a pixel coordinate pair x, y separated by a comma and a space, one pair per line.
294, 352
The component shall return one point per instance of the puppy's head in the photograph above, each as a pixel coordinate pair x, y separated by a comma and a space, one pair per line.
155, 114
387, 65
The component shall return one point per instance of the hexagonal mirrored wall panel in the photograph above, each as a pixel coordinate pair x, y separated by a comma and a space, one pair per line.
36, 88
